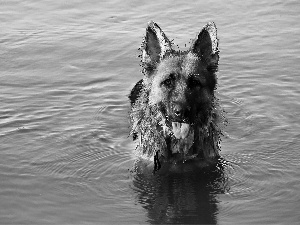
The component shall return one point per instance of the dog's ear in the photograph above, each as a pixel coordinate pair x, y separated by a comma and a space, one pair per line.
155, 44
206, 46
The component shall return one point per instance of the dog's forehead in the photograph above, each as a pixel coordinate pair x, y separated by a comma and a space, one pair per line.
191, 64
186, 64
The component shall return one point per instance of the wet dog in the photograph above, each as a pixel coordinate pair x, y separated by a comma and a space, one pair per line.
174, 111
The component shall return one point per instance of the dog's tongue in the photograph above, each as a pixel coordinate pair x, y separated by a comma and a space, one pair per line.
180, 130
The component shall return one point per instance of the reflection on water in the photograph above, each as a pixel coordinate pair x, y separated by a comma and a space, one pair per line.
182, 197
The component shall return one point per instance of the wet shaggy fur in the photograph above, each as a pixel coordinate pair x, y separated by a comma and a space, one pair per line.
174, 112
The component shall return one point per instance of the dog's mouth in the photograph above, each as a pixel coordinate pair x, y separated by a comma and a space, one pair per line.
180, 130
181, 133
184, 137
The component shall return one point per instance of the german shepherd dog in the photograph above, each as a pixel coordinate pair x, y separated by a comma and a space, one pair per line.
174, 111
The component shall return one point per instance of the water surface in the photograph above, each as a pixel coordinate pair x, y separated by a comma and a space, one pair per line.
66, 69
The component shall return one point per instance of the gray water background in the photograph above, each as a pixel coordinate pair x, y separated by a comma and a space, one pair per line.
66, 68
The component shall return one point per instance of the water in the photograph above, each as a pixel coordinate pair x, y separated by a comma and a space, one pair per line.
66, 69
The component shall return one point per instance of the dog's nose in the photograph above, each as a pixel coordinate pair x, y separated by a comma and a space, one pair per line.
180, 113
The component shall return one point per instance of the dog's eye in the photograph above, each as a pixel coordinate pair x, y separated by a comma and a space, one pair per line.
169, 82
193, 82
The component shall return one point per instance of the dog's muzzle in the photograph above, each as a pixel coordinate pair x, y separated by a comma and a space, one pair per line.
181, 133
180, 124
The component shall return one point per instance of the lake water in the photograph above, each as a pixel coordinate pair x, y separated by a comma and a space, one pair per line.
66, 68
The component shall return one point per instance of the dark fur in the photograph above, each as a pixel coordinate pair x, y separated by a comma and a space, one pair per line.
177, 87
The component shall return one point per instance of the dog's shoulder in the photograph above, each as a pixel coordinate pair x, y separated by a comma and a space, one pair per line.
136, 92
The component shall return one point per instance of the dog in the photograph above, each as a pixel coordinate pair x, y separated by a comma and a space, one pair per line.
174, 112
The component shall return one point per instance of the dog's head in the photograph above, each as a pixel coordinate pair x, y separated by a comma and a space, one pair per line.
180, 83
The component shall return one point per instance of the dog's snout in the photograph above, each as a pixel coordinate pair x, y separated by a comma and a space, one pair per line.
180, 113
